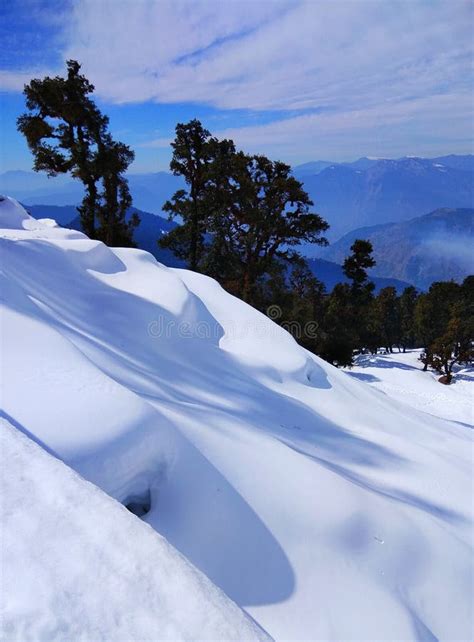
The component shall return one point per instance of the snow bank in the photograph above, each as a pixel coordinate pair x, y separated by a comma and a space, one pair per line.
14, 216
78, 566
328, 510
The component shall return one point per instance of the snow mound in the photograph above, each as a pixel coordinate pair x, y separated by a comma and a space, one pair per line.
79, 566
13, 215
325, 508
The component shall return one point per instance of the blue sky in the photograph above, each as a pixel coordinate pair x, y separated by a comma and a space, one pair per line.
297, 80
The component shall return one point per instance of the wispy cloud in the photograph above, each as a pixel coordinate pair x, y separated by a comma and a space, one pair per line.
418, 126
16, 80
273, 55
159, 143
346, 70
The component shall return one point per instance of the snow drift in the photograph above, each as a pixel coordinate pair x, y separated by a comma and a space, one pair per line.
80, 567
323, 507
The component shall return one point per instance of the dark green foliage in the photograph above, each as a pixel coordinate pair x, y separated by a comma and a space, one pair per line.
263, 222
388, 318
449, 336
350, 319
340, 336
408, 301
191, 158
356, 265
302, 299
243, 216
67, 133
432, 313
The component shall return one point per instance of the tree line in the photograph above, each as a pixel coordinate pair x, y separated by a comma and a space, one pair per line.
243, 219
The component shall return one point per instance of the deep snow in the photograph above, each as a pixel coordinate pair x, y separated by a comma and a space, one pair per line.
78, 566
326, 509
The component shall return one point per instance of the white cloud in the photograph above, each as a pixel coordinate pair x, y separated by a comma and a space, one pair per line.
360, 66
272, 55
421, 126
13, 81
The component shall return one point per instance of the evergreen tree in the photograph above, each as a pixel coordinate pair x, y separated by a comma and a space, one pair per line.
192, 155
387, 308
264, 217
371, 336
455, 345
219, 259
467, 293
408, 301
432, 314
243, 216
355, 266
304, 317
66, 132
340, 337
453, 327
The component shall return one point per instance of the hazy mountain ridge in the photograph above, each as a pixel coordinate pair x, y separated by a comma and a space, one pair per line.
433, 247
149, 191
455, 161
367, 191
330, 273
388, 191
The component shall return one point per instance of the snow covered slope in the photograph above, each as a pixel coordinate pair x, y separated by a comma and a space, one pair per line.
400, 376
326, 509
78, 566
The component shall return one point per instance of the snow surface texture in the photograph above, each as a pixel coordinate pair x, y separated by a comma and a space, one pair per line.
326, 509
79, 566
400, 376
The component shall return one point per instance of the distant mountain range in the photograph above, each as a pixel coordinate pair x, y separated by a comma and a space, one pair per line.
434, 247
152, 227
348, 195
331, 273
149, 191
455, 161
377, 195
370, 192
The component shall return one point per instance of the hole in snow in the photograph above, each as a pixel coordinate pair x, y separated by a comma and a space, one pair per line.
139, 505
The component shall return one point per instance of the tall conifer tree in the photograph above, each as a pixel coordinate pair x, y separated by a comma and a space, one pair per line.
67, 133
